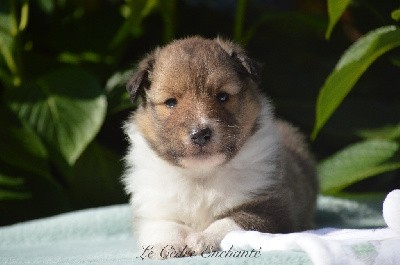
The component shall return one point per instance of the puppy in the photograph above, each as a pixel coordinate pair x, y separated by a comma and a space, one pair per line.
206, 155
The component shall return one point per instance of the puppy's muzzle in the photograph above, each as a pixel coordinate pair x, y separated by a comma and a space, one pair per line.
200, 136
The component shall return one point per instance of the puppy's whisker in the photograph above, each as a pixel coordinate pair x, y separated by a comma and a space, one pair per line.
228, 125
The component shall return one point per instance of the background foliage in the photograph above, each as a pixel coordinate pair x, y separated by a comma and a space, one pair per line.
63, 65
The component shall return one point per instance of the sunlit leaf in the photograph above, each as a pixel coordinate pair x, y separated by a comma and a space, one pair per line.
349, 69
396, 14
66, 107
355, 163
24, 15
387, 133
335, 11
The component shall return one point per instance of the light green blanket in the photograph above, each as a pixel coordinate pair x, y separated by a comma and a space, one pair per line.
103, 236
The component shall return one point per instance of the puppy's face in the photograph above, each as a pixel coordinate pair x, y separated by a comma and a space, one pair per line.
199, 102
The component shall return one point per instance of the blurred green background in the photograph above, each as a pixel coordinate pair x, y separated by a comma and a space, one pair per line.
64, 63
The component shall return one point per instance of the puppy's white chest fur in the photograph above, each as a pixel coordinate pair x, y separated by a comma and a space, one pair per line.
167, 192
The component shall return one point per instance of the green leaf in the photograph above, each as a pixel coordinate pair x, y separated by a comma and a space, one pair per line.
47, 6
396, 14
65, 107
355, 163
24, 15
20, 146
8, 186
6, 18
117, 95
335, 11
7, 38
10, 181
13, 20
387, 133
6, 195
349, 69
135, 12
90, 57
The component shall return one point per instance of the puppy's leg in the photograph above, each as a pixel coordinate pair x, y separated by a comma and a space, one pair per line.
164, 238
210, 239
269, 215
265, 214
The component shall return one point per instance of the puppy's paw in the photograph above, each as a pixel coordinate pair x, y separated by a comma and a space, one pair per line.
163, 239
201, 242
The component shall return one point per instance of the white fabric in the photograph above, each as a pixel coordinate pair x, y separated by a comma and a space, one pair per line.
332, 246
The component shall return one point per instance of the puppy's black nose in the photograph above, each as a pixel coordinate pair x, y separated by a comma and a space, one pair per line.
201, 136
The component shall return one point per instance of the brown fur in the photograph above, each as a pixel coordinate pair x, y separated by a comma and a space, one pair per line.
284, 208
193, 71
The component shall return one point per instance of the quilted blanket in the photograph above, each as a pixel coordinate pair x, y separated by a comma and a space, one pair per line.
103, 236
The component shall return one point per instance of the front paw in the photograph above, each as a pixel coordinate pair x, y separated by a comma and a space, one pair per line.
201, 242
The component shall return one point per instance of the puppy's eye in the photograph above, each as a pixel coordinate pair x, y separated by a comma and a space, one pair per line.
171, 102
222, 97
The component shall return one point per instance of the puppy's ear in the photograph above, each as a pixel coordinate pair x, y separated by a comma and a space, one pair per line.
246, 65
141, 78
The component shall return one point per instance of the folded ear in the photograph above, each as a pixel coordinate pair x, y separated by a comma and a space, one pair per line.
141, 78
245, 63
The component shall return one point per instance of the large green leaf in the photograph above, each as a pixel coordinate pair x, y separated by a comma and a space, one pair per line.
66, 107
355, 163
20, 147
349, 69
335, 11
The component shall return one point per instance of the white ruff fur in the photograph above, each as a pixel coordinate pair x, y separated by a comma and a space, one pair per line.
171, 203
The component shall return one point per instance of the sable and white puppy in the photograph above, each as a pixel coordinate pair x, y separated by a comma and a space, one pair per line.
207, 156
